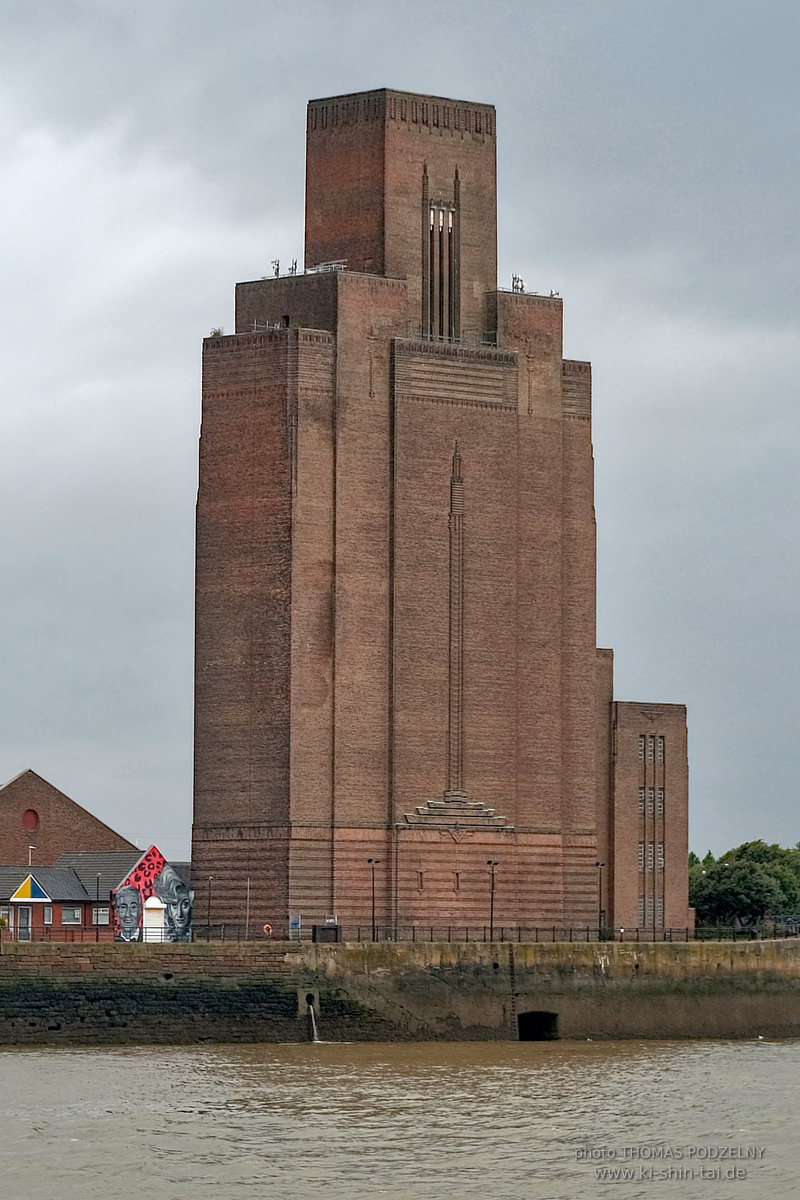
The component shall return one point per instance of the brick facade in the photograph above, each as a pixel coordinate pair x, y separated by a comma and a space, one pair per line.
396, 563
34, 813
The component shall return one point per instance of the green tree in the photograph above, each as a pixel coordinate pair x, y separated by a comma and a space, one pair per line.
782, 865
726, 893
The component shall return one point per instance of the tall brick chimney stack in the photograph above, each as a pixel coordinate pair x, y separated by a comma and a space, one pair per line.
397, 680
403, 185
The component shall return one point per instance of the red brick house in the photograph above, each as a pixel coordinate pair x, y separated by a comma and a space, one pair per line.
38, 824
49, 903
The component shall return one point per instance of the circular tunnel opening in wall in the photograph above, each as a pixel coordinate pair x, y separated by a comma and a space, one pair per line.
537, 1026
30, 820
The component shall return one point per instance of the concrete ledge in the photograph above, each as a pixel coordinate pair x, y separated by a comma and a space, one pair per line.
389, 991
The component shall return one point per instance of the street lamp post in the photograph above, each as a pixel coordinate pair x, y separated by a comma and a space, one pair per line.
373, 862
491, 864
600, 921
208, 910
97, 908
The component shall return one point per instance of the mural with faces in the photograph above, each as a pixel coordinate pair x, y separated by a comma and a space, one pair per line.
177, 900
152, 876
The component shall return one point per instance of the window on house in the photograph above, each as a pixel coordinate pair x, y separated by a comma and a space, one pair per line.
641, 911
648, 911
641, 855
650, 855
70, 915
651, 801
659, 910
642, 741
660, 855
456, 881
7, 915
661, 750
659, 802
99, 916
641, 801
48, 914
420, 880
651, 748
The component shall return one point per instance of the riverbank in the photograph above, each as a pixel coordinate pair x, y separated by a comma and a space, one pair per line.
252, 992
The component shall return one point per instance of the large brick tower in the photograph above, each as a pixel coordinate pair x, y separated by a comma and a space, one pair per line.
397, 682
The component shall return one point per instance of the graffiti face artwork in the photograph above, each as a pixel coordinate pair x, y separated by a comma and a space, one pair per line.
173, 892
135, 889
129, 906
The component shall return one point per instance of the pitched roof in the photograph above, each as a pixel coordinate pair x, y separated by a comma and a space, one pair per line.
112, 869
63, 823
60, 883
184, 870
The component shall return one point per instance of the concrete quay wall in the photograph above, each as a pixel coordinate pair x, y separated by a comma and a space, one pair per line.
111, 993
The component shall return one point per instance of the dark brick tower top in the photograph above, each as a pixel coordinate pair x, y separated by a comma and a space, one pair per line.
404, 186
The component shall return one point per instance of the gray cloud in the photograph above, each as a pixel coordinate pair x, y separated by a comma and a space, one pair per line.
152, 154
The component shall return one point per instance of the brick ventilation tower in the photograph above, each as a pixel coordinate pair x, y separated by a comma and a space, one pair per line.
396, 653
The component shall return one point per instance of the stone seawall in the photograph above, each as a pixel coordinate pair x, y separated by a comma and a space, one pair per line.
79, 994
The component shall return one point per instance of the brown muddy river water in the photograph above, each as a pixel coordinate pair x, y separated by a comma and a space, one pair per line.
529, 1121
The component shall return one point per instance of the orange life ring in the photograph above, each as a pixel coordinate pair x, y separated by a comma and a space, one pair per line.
267, 930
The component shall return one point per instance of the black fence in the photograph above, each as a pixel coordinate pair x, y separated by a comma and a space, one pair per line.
484, 933
232, 932
58, 933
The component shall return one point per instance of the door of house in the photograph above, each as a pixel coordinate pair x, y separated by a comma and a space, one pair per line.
24, 923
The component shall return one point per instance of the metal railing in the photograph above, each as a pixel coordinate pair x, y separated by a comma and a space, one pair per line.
232, 932
58, 933
229, 931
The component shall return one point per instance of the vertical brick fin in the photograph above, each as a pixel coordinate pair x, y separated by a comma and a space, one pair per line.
244, 554
312, 616
455, 724
455, 278
426, 258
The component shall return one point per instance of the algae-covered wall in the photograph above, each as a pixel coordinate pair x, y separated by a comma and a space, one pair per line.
393, 991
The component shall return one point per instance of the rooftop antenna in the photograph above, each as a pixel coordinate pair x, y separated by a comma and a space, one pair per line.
276, 267
517, 283
293, 267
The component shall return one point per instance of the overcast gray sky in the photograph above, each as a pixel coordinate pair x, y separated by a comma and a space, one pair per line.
151, 154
